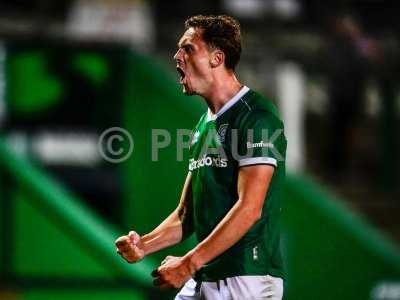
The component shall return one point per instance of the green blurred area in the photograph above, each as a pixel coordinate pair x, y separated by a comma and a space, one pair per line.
59, 253
93, 66
62, 250
32, 88
81, 294
331, 253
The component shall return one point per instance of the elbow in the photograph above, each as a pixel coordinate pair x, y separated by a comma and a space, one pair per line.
250, 211
253, 215
257, 215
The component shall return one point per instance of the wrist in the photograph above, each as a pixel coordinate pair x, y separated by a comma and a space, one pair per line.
195, 259
145, 244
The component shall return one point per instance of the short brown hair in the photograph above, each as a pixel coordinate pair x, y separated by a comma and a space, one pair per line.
221, 32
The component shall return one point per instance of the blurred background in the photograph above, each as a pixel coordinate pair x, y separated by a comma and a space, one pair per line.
69, 70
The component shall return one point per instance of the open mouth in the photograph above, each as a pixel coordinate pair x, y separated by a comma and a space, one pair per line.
181, 74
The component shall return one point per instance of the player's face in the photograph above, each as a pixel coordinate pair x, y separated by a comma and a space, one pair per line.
193, 62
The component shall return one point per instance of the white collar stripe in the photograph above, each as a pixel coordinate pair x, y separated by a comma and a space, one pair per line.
228, 105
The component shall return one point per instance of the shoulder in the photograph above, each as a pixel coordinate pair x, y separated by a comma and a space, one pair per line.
256, 109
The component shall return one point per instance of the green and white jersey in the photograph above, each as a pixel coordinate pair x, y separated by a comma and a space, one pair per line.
246, 131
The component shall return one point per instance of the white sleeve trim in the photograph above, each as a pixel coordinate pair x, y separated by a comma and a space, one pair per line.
258, 160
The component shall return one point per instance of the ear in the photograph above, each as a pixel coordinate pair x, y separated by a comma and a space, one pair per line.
217, 58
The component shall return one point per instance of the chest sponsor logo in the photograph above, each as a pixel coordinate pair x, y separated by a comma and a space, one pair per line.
207, 161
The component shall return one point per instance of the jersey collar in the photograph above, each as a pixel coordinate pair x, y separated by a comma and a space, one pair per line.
227, 105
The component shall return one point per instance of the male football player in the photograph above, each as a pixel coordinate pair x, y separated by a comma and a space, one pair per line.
231, 197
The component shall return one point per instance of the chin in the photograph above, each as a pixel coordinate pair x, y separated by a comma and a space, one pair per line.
188, 92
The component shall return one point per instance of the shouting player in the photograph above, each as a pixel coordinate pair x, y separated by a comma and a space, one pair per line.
231, 196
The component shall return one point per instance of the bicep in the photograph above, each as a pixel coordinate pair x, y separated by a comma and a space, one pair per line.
186, 195
253, 183
185, 208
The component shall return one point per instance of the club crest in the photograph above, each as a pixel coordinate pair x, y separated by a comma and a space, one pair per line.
222, 132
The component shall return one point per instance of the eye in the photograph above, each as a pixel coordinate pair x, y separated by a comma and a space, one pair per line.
188, 48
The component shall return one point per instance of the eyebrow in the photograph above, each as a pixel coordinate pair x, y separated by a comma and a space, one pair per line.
183, 43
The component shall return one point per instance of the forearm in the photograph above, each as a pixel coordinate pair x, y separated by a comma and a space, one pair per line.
230, 230
167, 234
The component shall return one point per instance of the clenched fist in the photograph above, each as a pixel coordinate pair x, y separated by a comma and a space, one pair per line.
174, 272
130, 247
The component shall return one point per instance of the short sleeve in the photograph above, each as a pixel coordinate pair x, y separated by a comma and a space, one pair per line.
261, 140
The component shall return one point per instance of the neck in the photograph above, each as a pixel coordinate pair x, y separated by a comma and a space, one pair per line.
222, 89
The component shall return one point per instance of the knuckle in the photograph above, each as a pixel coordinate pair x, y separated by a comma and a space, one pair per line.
120, 241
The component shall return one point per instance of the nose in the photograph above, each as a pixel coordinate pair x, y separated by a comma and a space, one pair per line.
177, 56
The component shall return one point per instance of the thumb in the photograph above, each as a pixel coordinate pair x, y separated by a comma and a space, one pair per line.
134, 237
